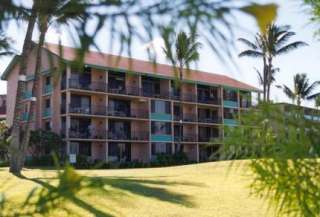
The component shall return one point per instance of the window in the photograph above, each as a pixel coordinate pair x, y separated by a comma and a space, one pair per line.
119, 151
47, 103
47, 125
159, 106
161, 148
85, 149
48, 80
160, 128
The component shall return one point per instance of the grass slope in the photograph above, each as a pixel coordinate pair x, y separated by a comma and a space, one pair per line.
206, 189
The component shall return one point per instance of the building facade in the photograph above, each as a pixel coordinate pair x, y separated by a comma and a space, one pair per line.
3, 107
121, 109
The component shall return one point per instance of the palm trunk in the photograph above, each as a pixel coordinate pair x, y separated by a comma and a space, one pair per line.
16, 148
264, 79
34, 107
269, 78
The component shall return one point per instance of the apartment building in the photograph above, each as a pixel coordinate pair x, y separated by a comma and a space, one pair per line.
311, 114
3, 99
121, 109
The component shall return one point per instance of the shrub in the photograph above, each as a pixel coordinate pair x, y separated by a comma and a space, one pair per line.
170, 159
43, 143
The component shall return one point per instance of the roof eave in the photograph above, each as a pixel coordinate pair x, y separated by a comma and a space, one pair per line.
9, 68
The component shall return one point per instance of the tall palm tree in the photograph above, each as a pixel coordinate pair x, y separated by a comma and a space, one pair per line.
317, 101
181, 54
267, 46
302, 89
43, 13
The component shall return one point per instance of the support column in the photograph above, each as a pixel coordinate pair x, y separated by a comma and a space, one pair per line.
150, 145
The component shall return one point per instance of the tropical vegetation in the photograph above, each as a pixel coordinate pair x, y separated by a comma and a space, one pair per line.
302, 89
268, 45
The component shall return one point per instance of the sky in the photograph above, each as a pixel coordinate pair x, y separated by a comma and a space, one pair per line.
291, 12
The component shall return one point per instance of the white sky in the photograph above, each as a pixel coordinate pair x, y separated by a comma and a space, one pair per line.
304, 60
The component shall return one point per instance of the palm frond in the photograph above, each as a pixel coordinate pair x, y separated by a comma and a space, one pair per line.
248, 43
251, 53
291, 47
311, 88
288, 92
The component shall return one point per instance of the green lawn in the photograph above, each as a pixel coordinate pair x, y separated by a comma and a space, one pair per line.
194, 190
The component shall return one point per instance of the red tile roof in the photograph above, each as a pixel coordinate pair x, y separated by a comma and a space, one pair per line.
135, 65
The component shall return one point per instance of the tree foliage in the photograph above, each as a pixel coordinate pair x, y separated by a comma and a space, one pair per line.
302, 89
272, 42
44, 142
283, 149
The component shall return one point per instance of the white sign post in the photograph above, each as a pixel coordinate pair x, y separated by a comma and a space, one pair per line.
72, 158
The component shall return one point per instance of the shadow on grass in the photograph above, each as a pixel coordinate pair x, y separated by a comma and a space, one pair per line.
147, 188
52, 196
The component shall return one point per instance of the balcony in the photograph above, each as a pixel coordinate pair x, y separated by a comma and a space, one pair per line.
210, 120
189, 138
133, 113
209, 100
88, 110
91, 86
189, 97
186, 117
209, 139
84, 133
27, 95
47, 89
46, 113
135, 136
128, 90
153, 94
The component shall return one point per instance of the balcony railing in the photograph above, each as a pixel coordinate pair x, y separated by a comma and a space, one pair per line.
215, 120
86, 133
47, 89
150, 93
118, 135
133, 113
136, 136
187, 97
88, 110
208, 138
126, 90
92, 86
140, 136
186, 117
189, 138
46, 113
209, 100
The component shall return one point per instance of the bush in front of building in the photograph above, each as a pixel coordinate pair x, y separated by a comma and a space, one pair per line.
4, 144
42, 145
170, 159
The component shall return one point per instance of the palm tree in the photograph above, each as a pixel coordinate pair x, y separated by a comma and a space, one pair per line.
181, 55
267, 46
272, 79
45, 13
302, 90
317, 101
